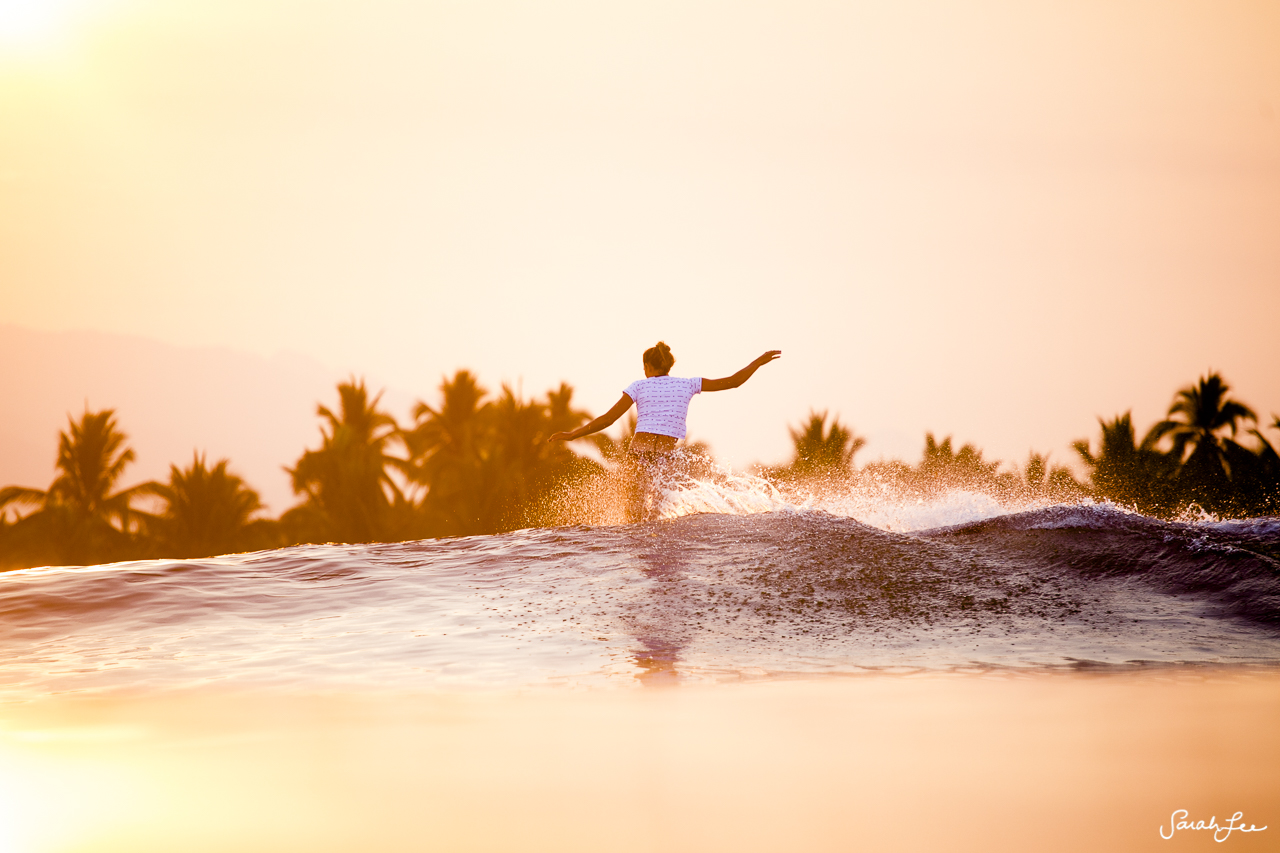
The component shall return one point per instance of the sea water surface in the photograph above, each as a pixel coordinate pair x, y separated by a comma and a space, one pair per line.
732, 583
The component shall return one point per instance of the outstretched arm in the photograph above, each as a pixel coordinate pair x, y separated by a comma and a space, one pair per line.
742, 375
603, 422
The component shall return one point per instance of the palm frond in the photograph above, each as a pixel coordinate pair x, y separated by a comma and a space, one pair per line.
22, 495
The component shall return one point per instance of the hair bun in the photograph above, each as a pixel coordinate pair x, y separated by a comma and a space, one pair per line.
660, 357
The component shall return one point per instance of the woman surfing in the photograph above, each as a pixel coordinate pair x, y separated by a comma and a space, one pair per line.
662, 406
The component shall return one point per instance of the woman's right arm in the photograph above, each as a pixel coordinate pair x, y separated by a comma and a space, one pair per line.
603, 422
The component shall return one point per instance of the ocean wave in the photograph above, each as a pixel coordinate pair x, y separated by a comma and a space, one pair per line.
704, 595
1232, 566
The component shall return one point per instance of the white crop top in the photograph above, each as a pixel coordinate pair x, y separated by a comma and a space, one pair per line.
663, 403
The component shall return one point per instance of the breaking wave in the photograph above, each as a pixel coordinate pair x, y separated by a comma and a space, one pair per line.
736, 579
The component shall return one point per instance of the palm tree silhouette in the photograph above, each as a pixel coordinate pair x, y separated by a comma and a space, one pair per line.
349, 493
456, 426
1255, 475
518, 452
208, 511
1045, 480
485, 465
942, 466
448, 449
821, 451
1198, 416
74, 521
1127, 472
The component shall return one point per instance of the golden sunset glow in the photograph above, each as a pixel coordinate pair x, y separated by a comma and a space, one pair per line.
28, 25
748, 768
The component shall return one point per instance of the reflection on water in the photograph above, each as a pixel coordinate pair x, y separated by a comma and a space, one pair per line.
666, 630
656, 660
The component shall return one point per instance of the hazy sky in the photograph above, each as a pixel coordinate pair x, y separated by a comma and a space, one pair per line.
996, 220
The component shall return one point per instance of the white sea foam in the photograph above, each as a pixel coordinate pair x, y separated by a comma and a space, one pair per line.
905, 514
727, 493
737, 493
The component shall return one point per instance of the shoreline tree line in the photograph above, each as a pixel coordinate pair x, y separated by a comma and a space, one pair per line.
478, 463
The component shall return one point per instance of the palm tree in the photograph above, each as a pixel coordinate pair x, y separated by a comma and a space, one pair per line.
822, 451
348, 492
1198, 416
530, 469
486, 466
1255, 475
1043, 480
448, 449
942, 466
516, 455
456, 426
81, 518
209, 511
1127, 472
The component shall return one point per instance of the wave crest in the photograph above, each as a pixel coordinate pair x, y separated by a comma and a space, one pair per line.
711, 488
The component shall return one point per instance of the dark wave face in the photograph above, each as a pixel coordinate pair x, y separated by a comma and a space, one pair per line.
1232, 568
699, 597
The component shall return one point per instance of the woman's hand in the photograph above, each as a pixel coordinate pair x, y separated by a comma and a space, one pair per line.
767, 357
561, 436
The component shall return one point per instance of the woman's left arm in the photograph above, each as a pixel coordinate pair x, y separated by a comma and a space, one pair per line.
742, 375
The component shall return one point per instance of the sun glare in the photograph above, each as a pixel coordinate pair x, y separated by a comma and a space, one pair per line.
30, 25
